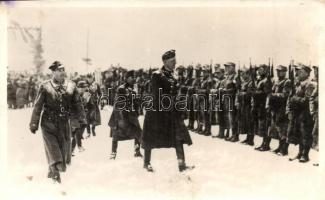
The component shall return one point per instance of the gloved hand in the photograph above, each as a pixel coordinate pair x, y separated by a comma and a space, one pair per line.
33, 128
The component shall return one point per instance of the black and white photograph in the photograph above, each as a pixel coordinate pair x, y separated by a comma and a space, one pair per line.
161, 99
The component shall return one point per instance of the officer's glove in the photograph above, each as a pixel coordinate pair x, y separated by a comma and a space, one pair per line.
33, 128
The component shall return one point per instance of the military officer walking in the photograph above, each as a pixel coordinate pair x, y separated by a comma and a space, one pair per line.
163, 127
124, 121
56, 98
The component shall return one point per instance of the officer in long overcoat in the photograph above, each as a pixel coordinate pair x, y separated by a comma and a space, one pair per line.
163, 125
124, 121
56, 98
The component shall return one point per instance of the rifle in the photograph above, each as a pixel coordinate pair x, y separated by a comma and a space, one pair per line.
269, 81
252, 73
272, 70
292, 78
238, 79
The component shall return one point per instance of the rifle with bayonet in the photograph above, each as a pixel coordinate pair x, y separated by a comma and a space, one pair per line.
292, 78
252, 74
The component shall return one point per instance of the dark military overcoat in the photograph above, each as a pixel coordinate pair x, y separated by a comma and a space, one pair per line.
57, 101
162, 127
124, 121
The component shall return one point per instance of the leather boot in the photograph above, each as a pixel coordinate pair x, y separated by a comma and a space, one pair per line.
55, 174
284, 149
207, 131
93, 130
305, 155
183, 167
250, 141
266, 146
235, 138
112, 156
221, 134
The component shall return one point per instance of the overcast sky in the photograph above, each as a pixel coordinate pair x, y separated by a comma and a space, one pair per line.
137, 37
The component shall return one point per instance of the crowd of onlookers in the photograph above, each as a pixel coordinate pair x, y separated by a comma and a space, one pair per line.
22, 89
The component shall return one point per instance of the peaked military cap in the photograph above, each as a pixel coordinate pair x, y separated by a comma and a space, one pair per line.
264, 66
229, 64
281, 68
304, 67
56, 65
169, 54
82, 84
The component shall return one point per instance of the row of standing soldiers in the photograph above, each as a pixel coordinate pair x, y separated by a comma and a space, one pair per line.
252, 102
115, 77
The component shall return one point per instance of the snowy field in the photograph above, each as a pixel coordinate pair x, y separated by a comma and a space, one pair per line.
223, 170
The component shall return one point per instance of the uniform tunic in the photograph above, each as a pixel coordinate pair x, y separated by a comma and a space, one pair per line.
94, 117
56, 102
244, 107
263, 88
301, 125
227, 90
276, 103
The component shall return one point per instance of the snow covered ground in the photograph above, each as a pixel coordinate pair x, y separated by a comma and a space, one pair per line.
223, 170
